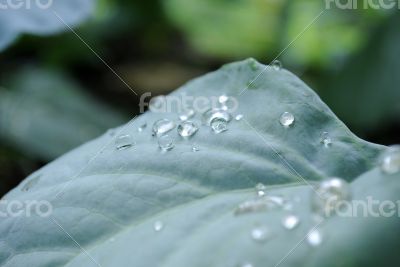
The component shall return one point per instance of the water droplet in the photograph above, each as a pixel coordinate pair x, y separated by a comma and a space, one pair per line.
166, 143
390, 163
219, 125
326, 140
212, 114
187, 129
158, 226
30, 183
260, 234
142, 127
260, 204
187, 114
124, 142
287, 119
260, 193
276, 65
328, 194
290, 222
239, 117
223, 99
253, 65
276, 201
246, 264
228, 103
158, 103
195, 148
260, 188
163, 126
251, 206
314, 238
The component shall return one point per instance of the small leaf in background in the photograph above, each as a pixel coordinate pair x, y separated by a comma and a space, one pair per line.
44, 114
40, 17
185, 207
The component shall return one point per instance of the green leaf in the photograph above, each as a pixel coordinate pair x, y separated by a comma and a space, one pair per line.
40, 17
44, 114
107, 200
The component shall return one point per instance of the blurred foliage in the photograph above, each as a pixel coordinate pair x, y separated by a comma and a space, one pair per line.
366, 92
45, 114
255, 28
228, 29
332, 36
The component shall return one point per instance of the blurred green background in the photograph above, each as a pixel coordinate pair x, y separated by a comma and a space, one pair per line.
55, 93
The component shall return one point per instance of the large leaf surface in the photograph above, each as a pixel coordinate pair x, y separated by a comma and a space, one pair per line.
108, 200
40, 17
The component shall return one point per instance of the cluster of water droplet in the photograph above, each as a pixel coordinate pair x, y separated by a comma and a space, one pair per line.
216, 119
123, 142
325, 196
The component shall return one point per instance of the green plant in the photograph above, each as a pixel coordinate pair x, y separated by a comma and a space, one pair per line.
141, 207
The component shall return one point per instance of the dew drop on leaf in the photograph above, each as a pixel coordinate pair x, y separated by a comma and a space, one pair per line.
326, 140
142, 127
390, 163
163, 126
260, 234
239, 117
261, 203
166, 143
260, 189
158, 226
287, 119
223, 99
219, 125
124, 142
211, 114
328, 194
187, 129
227, 103
251, 206
276, 201
186, 114
276, 65
314, 238
290, 222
